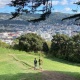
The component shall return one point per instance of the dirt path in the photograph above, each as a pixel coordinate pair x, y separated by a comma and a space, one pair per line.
51, 75
21, 63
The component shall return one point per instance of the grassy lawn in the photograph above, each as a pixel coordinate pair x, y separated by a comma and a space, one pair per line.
17, 65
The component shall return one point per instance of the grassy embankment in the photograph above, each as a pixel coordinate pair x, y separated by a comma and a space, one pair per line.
17, 65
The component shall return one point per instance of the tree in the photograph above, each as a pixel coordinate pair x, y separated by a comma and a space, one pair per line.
4, 45
76, 40
45, 47
65, 47
31, 7
30, 42
58, 45
69, 49
75, 16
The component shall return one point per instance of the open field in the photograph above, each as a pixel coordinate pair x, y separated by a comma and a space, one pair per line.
18, 65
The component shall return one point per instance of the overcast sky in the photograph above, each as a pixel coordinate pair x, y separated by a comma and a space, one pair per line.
64, 6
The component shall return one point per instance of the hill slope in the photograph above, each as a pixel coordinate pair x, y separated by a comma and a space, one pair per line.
52, 19
18, 65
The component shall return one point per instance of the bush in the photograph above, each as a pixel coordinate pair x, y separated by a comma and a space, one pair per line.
30, 42
4, 45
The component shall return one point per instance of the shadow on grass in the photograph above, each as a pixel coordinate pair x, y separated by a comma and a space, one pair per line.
63, 61
21, 76
45, 75
60, 75
74, 74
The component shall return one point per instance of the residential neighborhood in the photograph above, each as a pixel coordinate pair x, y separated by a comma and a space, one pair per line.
44, 30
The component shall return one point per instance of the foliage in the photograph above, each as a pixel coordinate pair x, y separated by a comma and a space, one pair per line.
76, 49
75, 16
5, 45
12, 69
45, 47
23, 6
58, 43
30, 42
15, 43
67, 48
31, 7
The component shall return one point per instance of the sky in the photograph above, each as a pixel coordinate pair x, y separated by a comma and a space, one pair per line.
65, 6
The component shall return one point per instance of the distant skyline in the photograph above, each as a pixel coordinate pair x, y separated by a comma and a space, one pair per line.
65, 6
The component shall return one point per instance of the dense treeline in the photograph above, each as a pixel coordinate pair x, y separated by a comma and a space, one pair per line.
30, 42
65, 47
61, 46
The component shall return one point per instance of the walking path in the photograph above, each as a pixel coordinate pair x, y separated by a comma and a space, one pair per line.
46, 75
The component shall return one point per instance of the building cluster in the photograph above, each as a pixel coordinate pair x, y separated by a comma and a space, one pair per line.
8, 37
44, 30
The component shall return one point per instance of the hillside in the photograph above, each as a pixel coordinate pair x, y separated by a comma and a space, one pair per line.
21, 23
52, 19
18, 65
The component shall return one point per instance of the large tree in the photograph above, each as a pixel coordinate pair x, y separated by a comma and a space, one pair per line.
58, 46
30, 42
32, 7
66, 47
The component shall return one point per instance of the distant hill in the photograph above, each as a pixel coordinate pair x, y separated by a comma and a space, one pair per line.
57, 18
54, 18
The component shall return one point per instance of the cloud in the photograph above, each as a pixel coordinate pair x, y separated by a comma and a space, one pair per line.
56, 10
67, 9
55, 2
3, 3
64, 2
60, 2
64, 10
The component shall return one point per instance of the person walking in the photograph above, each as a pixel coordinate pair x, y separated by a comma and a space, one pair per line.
35, 64
40, 63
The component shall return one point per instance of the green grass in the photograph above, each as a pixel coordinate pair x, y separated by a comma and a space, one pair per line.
16, 65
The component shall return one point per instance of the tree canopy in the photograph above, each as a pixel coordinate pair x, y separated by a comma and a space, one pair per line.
32, 7
31, 42
75, 16
65, 47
